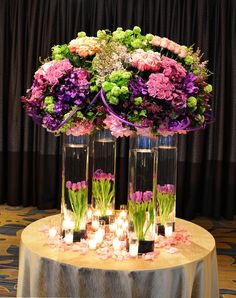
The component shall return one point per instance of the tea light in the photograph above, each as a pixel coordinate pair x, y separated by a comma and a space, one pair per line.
119, 232
95, 224
123, 214
68, 237
116, 244
168, 230
109, 212
133, 249
119, 221
52, 232
92, 244
99, 235
112, 227
89, 214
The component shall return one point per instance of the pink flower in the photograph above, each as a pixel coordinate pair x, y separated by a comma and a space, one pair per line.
159, 86
68, 184
82, 127
173, 70
145, 60
74, 186
164, 42
116, 127
156, 41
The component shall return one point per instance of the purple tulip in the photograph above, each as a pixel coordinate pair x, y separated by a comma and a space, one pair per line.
166, 188
68, 184
147, 196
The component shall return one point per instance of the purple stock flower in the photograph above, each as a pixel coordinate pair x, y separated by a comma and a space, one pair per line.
177, 125
189, 85
138, 87
166, 188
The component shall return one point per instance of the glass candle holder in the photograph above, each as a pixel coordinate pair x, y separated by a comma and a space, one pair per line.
74, 201
104, 167
166, 181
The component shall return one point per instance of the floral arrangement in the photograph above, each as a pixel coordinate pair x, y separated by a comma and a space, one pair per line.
166, 201
123, 81
139, 203
78, 199
103, 190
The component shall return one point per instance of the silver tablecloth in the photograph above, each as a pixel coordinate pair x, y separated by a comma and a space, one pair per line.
47, 272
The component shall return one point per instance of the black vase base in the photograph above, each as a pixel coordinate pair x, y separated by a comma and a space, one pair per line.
78, 235
145, 246
105, 218
161, 229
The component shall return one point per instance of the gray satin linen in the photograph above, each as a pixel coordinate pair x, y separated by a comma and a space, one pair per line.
42, 277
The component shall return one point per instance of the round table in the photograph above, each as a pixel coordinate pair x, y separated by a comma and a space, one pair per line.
48, 272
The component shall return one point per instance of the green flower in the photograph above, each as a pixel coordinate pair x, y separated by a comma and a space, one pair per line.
124, 90
101, 34
137, 43
107, 86
50, 108
115, 91
81, 34
188, 60
149, 37
137, 30
128, 32
138, 101
112, 99
208, 88
48, 100
192, 102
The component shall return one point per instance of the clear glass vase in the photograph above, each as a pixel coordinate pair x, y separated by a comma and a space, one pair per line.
103, 176
74, 202
166, 183
142, 191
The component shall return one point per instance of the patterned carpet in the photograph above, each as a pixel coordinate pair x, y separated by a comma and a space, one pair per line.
14, 219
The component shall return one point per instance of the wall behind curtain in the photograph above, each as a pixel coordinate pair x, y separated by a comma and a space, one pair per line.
30, 157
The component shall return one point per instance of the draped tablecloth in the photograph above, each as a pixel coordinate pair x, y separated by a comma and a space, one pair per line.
48, 272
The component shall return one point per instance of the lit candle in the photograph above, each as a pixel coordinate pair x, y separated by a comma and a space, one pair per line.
89, 214
112, 227
68, 237
119, 232
123, 214
116, 244
119, 221
99, 235
52, 232
133, 249
92, 244
95, 224
168, 230
125, 225
109, 212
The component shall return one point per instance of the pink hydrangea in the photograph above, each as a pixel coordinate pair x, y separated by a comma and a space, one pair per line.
146, 60
116, 128
80, 128
159, 86
172, 69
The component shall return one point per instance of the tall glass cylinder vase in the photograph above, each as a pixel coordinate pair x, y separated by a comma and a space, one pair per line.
75, 185
142, 191
103, 179
166, 184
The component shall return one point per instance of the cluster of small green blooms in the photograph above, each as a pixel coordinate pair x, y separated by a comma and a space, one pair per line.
49, 104
81, 34
188, 60
208, 88
116, 86
138, 101
192, 102
133, 39
60, 52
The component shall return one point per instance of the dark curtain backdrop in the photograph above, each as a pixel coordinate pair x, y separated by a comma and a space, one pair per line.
30, 157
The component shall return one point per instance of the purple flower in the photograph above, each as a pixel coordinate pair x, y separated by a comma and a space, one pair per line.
189, 85
166, 188
99, 174
177, 125
147, 196
68, 184
74, 186
138, 87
